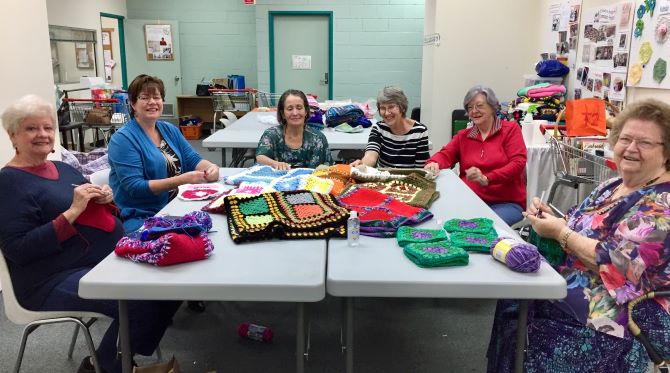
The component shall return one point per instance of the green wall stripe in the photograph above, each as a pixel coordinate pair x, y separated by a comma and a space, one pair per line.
122, 47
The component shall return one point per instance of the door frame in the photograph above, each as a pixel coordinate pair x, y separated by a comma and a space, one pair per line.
122, 47
271, 35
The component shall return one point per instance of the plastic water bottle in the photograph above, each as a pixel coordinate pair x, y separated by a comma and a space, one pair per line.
353, 228
256, 332
527, 128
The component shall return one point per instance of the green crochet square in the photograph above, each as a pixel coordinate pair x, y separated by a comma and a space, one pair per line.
254, 206
436, 254
407, 235
473, 241
476, 225
549, 248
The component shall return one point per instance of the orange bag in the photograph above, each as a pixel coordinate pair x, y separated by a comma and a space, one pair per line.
585, 117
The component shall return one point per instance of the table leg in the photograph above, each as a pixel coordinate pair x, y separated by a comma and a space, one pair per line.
124, 335
80, 138
522, 324
229, 155
349, 337
300, 339
223, 157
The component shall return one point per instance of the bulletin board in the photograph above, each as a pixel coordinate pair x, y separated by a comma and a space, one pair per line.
602, 68
650, 48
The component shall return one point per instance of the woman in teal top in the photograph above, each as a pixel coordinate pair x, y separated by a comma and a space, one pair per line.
292, 144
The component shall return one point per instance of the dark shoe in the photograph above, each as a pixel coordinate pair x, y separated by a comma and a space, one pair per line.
86, 366
196, 305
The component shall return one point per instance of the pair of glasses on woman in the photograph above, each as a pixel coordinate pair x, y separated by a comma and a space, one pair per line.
643, 144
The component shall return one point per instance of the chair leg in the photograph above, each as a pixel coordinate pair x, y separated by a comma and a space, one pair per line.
89, 343
26, 332
75, 334
159, 354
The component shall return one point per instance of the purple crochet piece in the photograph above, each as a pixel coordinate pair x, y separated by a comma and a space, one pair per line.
200, 218
467, 224
436, 250
422, 235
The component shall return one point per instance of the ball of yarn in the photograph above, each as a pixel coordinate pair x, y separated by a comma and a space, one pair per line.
519, 256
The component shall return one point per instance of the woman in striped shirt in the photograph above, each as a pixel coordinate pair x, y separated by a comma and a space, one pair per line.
396, 141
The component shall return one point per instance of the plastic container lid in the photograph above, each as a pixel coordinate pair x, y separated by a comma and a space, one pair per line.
353, 214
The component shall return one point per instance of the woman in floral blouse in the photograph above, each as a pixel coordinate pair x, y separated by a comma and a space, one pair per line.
292, 144
618, 248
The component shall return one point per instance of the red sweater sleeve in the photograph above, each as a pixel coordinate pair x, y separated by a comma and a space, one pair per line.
516, 151
63, 228
449, 155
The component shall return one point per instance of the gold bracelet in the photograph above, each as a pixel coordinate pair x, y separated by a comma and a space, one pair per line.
564, 239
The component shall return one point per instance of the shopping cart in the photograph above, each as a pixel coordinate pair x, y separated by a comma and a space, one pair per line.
102, 115
234, 100
267, 99
574, 166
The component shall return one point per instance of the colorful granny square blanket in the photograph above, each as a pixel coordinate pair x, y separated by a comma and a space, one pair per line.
436, 254
381, 215
340, 174
407, 235
476, 225
413, 190
290, 215
264, 174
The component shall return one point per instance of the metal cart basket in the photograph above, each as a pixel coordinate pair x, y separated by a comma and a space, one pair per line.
574, 166
267, 99
102, 115
232, 100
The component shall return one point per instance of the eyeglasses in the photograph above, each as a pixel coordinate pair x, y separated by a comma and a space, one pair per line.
641, 143
149, 98
479, 107
388, 107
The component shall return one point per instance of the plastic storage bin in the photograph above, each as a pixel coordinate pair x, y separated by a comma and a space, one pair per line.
193, 132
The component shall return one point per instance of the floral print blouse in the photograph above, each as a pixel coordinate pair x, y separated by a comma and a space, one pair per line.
313, 152
633, 253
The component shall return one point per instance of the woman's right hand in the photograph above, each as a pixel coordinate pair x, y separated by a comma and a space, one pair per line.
193, 177
281, 166
536, 206
432, 167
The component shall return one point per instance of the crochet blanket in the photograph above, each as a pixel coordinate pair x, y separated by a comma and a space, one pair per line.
339, 174
289, 215
282, 181
264, 174
381, 215
366, 173
413, 190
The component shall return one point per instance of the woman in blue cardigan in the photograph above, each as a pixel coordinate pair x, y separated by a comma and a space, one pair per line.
149, 158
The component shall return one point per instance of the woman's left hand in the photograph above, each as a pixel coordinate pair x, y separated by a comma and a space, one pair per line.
212, 173
547, 226
476, 175
106, 197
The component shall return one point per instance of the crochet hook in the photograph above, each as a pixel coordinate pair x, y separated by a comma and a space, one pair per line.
539, 212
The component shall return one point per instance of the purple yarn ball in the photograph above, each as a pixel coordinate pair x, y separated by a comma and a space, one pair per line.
522, 257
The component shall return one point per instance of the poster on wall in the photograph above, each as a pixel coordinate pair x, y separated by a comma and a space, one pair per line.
649, 46
158, 41
603, 64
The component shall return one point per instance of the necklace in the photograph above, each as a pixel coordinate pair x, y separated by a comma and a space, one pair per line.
648, 183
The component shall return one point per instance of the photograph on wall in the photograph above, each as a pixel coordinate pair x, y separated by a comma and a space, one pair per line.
604, 49
158, 40
649, 47
83, 54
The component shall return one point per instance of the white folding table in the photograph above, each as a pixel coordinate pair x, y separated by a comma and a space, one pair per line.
378, 268
246, 132
259, 271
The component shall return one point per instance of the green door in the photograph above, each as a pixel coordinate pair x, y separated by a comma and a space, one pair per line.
138, 62
301, 52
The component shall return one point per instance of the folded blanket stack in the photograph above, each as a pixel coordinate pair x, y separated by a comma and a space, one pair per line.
547, 98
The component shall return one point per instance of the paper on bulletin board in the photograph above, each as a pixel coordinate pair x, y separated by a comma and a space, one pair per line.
301, 62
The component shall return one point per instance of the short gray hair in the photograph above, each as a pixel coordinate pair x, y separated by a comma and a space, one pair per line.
26, 106
393, 95
491, 98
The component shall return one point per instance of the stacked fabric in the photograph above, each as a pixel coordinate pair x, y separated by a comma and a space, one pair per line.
547, 98
381, 215
351, 114
413, 189
288, 215
166, 240
430, 248
475, 234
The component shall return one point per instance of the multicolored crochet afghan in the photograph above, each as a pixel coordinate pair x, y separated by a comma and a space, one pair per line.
290, 215
282, 181
340, 174
381, 215
264, 174
412, 189
166, 240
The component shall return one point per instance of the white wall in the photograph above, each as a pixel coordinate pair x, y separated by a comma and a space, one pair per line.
84, 14
26, 64
482, 42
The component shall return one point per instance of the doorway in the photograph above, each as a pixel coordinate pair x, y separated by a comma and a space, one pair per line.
301, 52
113, 50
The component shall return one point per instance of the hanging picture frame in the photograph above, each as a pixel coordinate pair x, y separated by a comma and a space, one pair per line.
158, 42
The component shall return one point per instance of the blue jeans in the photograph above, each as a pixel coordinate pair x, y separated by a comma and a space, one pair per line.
509, 212
147, 319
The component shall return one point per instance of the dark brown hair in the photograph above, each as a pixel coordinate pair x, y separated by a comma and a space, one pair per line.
650, 110
282, 102
144, 83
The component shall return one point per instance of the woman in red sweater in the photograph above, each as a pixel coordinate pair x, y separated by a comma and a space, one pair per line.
491, 154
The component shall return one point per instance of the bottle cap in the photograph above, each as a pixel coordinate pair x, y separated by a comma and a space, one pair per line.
353, 214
